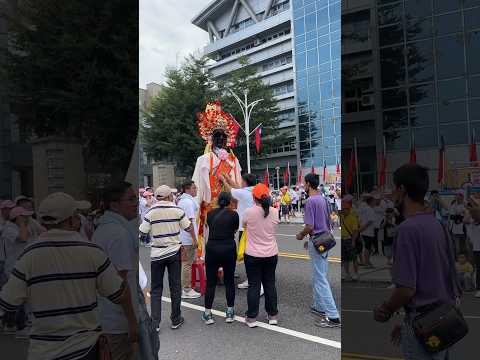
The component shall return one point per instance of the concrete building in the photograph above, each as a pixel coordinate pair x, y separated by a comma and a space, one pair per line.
263, 31
411, 70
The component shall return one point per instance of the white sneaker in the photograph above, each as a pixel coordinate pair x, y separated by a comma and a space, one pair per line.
261, 290
477, 294
190, 294
391, 286
243, 285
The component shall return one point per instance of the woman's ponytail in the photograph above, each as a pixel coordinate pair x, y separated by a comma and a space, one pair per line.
265, 202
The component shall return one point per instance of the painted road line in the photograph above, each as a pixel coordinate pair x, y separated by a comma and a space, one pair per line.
279, 329
333, 259
348, 356
473, 317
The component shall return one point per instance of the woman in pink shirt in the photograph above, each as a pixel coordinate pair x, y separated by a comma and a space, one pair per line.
261, 255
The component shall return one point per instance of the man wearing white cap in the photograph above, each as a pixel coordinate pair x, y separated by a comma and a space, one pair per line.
163, 222
60, 276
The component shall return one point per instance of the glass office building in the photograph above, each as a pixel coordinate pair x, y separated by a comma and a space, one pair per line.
430, 71
317, 53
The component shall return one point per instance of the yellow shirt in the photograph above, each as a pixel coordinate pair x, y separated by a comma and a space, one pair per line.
464, 268
285, 200
349, 222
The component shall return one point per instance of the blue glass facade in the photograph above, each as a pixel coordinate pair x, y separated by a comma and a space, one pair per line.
317, 53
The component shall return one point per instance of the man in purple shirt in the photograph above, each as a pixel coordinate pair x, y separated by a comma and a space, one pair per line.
317, 221
421, 270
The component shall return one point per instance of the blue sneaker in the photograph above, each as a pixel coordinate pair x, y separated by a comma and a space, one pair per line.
208, 318
229, 316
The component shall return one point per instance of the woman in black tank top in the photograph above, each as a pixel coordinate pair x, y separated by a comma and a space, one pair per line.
221, 252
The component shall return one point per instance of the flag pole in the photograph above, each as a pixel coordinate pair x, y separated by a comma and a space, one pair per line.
356, 167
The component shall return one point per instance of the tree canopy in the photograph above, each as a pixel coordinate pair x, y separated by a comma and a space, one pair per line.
70, 72
169, 130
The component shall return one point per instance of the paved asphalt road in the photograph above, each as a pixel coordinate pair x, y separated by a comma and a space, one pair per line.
362, 335
298, 339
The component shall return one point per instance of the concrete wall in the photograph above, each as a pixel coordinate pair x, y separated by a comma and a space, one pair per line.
58, 165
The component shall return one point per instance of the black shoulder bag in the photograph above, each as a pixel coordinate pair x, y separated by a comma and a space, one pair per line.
443, 325
324, 241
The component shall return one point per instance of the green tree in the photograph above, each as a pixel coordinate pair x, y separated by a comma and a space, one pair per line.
68, 75
169, 129
245, 79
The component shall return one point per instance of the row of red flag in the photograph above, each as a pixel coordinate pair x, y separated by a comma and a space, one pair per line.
287, 174
352, 168
258, 136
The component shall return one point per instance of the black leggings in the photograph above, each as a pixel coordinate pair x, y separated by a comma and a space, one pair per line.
220, 254
476, 255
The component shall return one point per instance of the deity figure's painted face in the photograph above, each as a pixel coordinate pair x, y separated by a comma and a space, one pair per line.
219, 139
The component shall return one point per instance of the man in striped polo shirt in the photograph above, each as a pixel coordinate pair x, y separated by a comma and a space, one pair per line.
163, 222
60, 275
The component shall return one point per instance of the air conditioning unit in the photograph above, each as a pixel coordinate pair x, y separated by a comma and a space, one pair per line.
256, 42
367, 100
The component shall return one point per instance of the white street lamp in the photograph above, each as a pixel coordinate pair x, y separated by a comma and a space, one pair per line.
246, 112
278, 177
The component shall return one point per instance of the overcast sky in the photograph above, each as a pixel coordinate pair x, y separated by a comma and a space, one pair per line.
167, 36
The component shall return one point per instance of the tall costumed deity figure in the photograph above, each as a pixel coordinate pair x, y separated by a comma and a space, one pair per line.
219, 129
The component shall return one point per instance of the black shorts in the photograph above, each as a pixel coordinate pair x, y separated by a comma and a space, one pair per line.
358, 247
284, 209
368, 242
348, 251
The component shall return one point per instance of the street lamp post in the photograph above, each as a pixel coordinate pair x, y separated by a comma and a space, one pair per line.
246, 112
278, 177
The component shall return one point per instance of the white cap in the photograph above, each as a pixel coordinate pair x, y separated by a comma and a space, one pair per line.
58, 207
163, 191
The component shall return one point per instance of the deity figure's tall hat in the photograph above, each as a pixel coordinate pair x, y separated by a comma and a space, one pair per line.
214, 118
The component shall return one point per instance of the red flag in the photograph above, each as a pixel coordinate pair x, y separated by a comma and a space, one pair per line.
285, 177
258, 134
337, 172
383, 165
441, 161
413, 152
300, 175
472, 150
325, 172
266, 176
351, 170
236, 127
313, 170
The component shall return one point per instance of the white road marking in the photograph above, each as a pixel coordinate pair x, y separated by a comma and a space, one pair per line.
401, 313
279, 329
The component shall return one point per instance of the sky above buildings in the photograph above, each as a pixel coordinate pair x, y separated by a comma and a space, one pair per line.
167, 36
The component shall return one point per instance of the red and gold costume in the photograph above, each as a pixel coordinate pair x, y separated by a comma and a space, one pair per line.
213, 163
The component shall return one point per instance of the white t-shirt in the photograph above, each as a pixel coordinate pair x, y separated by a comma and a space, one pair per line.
457, 209
245, 200
473, 232
294, 197
369, 216
114, 236
188, 205
142, 277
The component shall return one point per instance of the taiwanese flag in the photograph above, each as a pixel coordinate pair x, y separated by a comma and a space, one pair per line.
266, 176
351, 170
441, 161
236, 127
383, 165
258, 135
325, 172
472, 150
413, 152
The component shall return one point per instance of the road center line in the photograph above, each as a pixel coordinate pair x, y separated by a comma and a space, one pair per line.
279, 329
